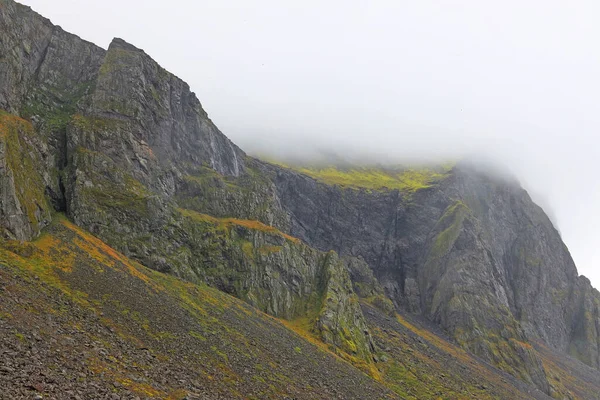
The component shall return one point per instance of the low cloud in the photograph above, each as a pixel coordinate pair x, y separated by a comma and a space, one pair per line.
513, 82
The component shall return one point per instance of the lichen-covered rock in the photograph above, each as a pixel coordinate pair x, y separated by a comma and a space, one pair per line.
340, 321
367, 286
252, 195
279, 275
471, 252
163, 112
584, 342
24, 209
25, 37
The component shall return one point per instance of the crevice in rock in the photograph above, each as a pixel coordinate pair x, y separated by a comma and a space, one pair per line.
58, 194
58, 200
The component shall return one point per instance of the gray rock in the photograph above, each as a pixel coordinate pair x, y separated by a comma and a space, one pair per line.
127, 151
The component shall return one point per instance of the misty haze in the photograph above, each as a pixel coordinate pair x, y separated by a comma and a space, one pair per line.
515, 82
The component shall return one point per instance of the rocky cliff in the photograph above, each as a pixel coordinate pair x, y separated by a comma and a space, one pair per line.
112, 137
470, 251
125, 149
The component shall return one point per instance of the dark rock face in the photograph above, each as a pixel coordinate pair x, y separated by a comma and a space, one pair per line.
474, 254
117, 139
127, 151
24, 209
25, 37
164, 113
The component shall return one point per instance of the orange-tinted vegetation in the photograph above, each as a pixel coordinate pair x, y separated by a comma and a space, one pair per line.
232, 222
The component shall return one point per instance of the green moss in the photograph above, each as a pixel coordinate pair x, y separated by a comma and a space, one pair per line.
249, 196
453, 218
558, 296
20, 336
265, 250
55, 118
248, 249
528, 258
112, 189
18, 137
229, 223
401, 379
376, 178
197, 336
220, 353
382, 302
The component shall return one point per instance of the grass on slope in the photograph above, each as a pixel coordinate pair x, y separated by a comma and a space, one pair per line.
418, 364
226, 223
108, 325
376, 178
569, 378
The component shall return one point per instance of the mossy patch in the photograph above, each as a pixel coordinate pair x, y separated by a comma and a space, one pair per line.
110, 188
452, 221
249, 196
228, 223
18, 139
377, 178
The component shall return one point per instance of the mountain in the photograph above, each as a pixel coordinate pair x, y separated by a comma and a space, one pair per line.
161, 261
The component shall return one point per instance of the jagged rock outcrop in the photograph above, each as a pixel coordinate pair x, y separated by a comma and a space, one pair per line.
24, 209
119, 135
163, 113
340, 321
473, 253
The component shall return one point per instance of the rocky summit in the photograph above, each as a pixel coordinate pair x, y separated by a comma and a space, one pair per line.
145, 255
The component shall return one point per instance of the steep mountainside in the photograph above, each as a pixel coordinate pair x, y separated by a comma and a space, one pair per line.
79, 320
125, 150
467, 239
72, 325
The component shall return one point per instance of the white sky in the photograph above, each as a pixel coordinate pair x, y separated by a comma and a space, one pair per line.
516, 81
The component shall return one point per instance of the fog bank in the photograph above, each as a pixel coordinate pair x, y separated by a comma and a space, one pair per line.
515, 82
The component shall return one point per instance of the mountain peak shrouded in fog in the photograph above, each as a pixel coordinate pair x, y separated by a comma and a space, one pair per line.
515, 82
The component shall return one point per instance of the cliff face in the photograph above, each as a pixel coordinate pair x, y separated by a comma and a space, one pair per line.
472, 252
126, 150
112, 138
24, 209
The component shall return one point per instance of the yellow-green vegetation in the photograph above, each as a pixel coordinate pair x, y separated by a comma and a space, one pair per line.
177, 322
381, 302
55, 118
343, 337
95, 124
418, 364
448, 229
106, 193
451, 223
62, 255
116, 58
376, 178
305, 328
563, 382
504, 347
558, 295
17, 137
529, 259
228, 223
248, 196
